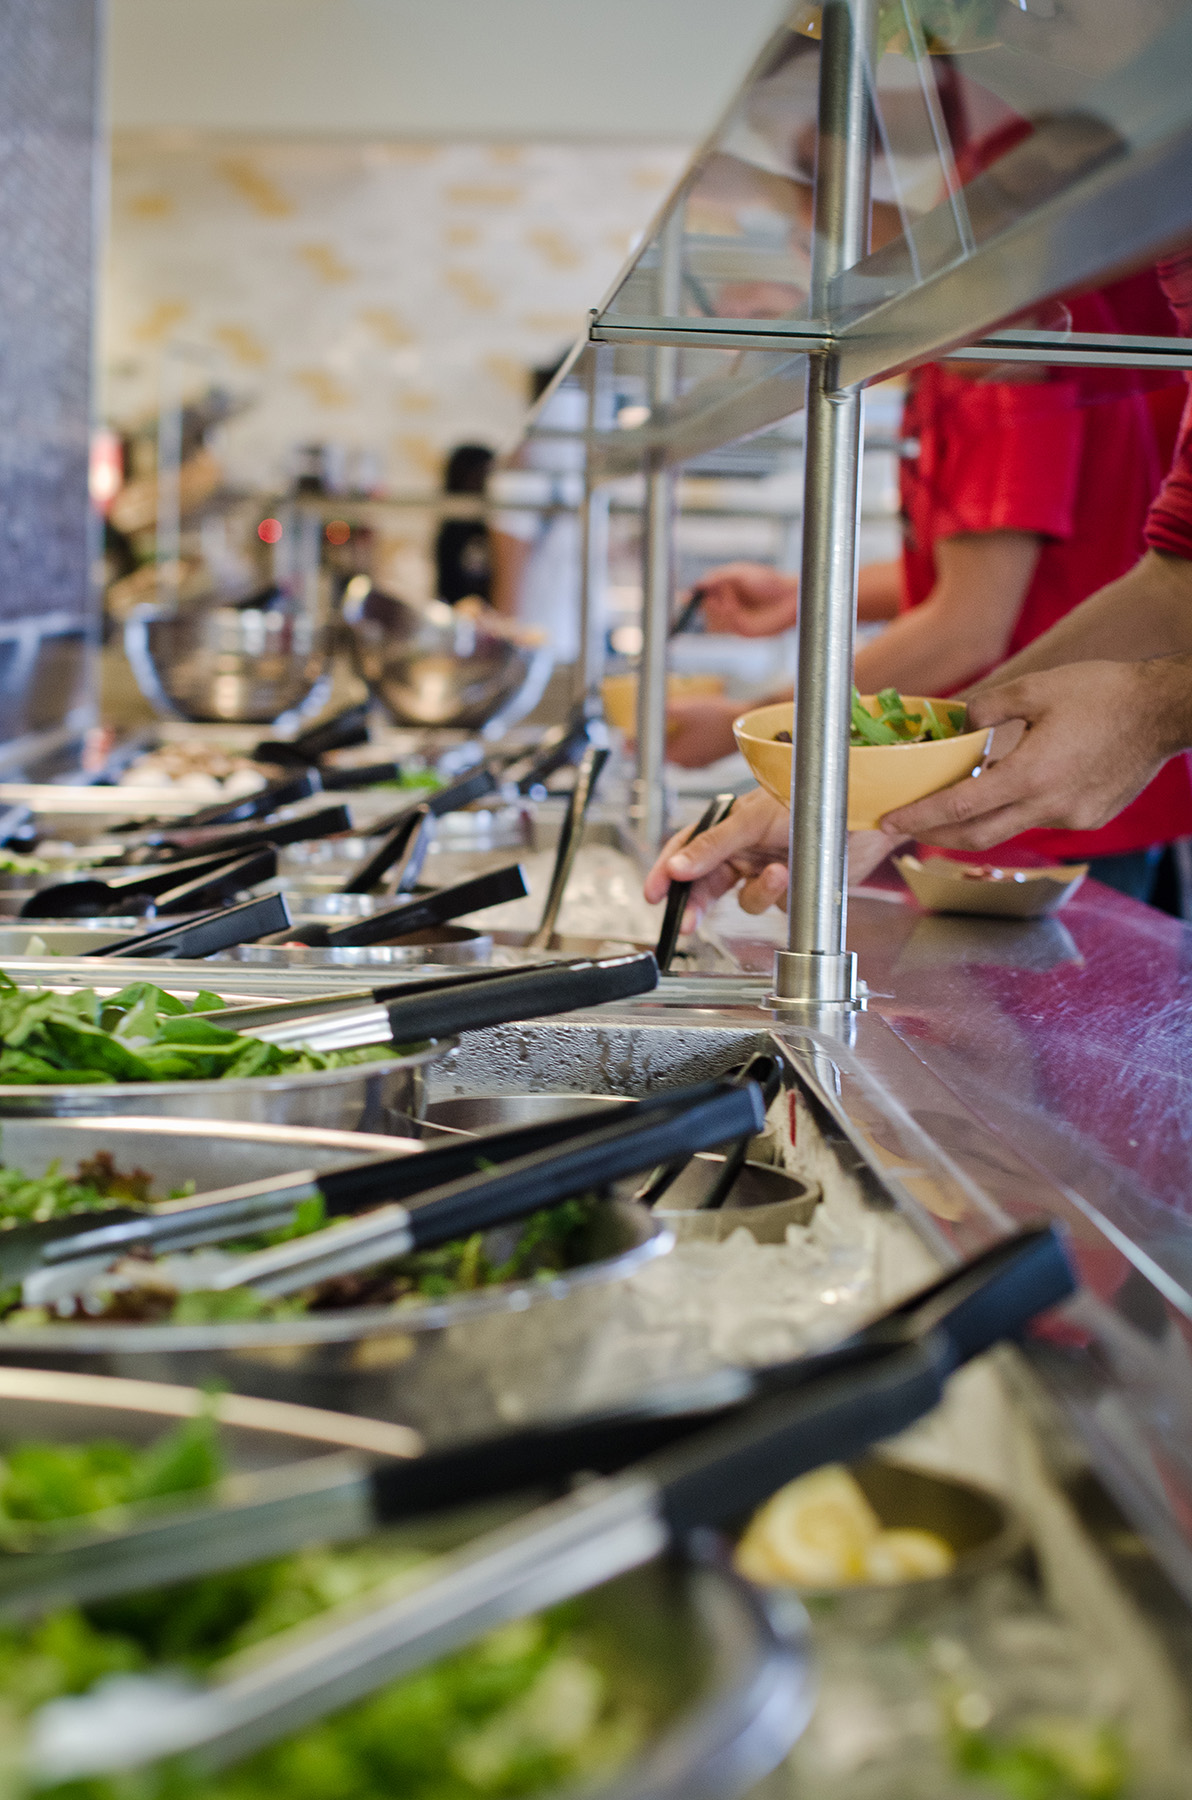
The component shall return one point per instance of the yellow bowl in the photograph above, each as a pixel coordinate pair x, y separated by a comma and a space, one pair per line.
620, 695
881, 777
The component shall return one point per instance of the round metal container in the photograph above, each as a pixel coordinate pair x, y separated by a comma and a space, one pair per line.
432, 665
501, 1112
245, 663
763, 1201
728, 1670
983, 1532
378, 1096
416, 1363
443, 944
64, 1407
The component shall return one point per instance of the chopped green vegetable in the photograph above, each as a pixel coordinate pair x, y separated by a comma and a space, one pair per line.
140, 1034
893, 724
527, 1709
12, 864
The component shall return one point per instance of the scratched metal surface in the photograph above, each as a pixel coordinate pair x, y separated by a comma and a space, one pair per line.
1070, 1037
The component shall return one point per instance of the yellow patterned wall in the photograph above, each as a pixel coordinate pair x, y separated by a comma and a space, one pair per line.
383, 296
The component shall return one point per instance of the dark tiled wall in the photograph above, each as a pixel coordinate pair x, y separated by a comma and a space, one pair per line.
50, 181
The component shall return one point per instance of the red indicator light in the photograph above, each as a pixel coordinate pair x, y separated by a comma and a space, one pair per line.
269, 531
337, 531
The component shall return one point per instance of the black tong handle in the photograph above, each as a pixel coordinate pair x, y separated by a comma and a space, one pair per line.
717, 1453
224, 881
398, 827
521, 994
218, 930
327, 822
490, 889
714, 813
343, 731
604, 1154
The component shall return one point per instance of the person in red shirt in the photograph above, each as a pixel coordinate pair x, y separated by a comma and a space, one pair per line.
1029, 491
1105, 697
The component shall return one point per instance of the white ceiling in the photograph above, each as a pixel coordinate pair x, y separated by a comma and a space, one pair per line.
450, 68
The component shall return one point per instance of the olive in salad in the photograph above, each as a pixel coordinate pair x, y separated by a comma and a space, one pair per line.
142, 1033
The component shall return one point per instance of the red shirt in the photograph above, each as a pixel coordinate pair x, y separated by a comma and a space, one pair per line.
1169, 527
1076, 458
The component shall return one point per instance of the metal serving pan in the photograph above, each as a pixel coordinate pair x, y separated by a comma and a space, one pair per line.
443, 944
414, 1363
729, 1668
386, 1095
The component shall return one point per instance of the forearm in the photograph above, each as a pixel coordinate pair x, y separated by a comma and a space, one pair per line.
1147, 613
879, 591
922, 652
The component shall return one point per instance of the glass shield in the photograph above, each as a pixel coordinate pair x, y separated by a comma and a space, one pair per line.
1022, 152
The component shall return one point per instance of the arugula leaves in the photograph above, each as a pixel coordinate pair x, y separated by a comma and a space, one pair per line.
893, 724
140, 1034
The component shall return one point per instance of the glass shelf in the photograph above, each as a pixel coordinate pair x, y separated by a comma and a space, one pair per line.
1023, 150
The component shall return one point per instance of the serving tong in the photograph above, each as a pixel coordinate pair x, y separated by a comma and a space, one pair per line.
406, 833
421, 914
211, 932
83, 1244
504, 1183
710, 1451
176, 887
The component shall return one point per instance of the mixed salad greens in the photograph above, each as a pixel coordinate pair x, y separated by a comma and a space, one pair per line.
139, 1034
893, 724
142, 1292
528, 1708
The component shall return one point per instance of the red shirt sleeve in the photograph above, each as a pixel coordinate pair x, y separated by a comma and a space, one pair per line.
1169, 523
1009, 456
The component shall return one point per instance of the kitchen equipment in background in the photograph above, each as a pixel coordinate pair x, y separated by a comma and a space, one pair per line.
435, 665
260, 658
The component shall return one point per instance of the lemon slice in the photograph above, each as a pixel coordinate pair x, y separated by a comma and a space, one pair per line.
815, 1532
907, 1555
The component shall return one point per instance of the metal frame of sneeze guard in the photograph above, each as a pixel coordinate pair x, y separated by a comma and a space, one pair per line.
1107, 190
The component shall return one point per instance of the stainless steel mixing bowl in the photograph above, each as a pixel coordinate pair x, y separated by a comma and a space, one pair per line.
254, 664
429, 665
440, 945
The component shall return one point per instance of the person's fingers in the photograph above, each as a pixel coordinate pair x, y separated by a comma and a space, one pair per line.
866, 849
658, 880
985, 833
998, 705
746, 828
764, 890
961, 805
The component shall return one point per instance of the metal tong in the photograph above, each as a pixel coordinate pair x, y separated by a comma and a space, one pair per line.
209, 933
404, 831
178, 887
96, 1239
716, 811
329, 821
422, 914
588, 773
705, 1466
574, 1160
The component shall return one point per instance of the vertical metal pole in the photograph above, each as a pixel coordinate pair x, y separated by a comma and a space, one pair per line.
593, 520
648, 809
816, 968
